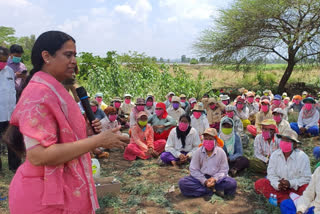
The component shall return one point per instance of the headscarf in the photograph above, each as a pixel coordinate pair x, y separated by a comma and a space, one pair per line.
297, 97
229, 140
181, 134
163, 106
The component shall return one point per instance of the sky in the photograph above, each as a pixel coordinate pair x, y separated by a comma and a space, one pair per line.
160, 28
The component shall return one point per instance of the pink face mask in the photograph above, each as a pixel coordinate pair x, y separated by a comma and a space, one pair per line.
127, 101
239, 106
170, 98
285, 146
250, 99
94, 109
297, 102
117, 104
2, 65
226, 102
230, 114
208, 144
192, 105
113, 117
213, 106
158, 112
277, 118
286, 102
149, 103
99, 99
276, 102
140, 108
266, 135
196, 114
257, 100
183, 126
308, 106
265, 108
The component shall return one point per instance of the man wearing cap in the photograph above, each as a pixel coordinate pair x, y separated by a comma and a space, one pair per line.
140, 105
225, 99
307, 124
304, 94
264, 145
288, 170
127, 105
192, 102
208, 170
184, 103
142, 143
98, 113
263, 114
282, 123
253, 107
175, 109
169, 99
199, 120
214, 112
99, 98
277, 102
242, 111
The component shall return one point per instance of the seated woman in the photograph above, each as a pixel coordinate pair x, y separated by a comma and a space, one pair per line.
140, 106
279, 117
309, 202
208, 170
199, 120
232, 147
182, 142
192, 103
277, 102
288, 171
238, 126
296, 105
264, 145
307, 124
142, 144
150, 105
127, 105
161, 122
99, 98
122, 117
214, 112
243, 112
253, 107
97, 111
263, 114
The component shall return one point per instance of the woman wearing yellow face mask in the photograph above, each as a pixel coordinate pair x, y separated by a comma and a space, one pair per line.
232, 147
142, 144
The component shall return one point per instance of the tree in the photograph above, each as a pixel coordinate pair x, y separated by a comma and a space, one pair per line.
183, 58
203, 59
194, 61
161, 59
6, 36
289, 29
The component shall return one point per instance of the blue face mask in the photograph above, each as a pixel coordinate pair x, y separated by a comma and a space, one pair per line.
16, 59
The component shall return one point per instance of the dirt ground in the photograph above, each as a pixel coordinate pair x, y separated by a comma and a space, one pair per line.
147, 187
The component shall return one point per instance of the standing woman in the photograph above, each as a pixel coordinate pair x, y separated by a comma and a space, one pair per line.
56, 176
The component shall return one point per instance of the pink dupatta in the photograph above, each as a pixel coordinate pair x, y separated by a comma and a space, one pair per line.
47, 113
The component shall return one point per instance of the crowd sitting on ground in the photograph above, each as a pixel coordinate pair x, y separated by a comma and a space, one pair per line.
210, 134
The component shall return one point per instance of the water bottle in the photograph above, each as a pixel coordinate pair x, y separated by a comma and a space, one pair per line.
271, 199
275, 200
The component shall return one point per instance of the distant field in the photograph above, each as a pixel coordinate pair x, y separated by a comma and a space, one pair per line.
227, 77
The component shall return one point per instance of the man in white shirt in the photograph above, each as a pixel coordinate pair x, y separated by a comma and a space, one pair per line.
288, 170
7, 93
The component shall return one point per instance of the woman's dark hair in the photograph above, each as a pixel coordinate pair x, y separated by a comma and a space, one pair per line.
185, 116
16, 49
50, 41
4, 52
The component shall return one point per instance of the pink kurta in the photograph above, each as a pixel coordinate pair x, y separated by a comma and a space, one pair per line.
47, 113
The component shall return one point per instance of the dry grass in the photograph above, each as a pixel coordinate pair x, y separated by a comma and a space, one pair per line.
230, 78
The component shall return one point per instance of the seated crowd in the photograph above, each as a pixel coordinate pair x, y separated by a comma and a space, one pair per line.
211, 134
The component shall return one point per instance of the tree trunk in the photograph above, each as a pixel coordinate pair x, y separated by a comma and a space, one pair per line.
286, 76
